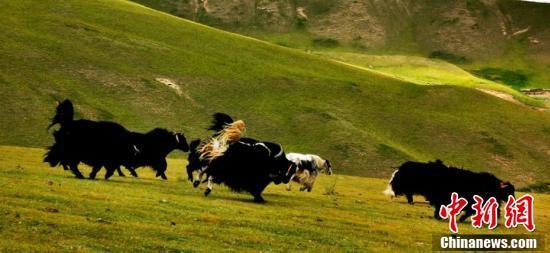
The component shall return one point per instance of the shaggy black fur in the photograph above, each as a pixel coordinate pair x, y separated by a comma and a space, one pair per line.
436, 182
249, 167
219, 121
107, 144
153, 147
193, 159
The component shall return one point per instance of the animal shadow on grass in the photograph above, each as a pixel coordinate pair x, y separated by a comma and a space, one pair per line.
271, 199
132, 181
423, 203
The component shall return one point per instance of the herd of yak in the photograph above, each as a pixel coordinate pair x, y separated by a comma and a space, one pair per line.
243, 164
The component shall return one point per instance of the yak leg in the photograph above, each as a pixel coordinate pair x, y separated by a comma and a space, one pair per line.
119, 171
110, 171
311, 182
257, 193
258, 198
132, 171
95, 169
436, 212
409, 198
209, 186
304, 178
198, 178
160, 168
76, 172
189, 173
65, 167
469, 212
288, 187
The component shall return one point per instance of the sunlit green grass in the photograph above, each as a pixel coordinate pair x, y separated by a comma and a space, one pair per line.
425, 71
46, 209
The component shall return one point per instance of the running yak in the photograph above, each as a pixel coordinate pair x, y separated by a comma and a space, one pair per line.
436, 182
107, 144
243, 164
309, 166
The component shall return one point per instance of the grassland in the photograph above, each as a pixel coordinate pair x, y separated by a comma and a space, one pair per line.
106, 55
425, 71
45, 209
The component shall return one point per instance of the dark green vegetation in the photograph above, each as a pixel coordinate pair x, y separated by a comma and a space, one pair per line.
46, 210
446, 56
515, 79
325, 42
107, 57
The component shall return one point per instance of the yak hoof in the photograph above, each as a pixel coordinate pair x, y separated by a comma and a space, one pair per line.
207, 191
79, 177
196, 183
259, 199
163, 177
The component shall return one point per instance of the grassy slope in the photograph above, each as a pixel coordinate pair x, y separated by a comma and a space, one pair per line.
413, 36
46, 209
106, 54
414, 61
425, 71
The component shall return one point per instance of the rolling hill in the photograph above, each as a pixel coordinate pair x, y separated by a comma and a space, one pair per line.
121, 61
493, 38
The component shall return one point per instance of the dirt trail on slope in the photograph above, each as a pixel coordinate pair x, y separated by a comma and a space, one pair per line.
509, 98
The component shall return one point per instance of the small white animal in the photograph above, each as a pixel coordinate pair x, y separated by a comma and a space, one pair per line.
309, 166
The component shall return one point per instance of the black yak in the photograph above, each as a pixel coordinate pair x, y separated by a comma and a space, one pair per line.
153, 147
107, 144
194, 161
249, 165
436, 182
243, 164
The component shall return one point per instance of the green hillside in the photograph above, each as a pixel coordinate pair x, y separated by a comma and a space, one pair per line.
108, 55
425, 71
47, 210
494, 39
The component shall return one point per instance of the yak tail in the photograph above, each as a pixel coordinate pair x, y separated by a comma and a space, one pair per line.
219, 121
52, 157
64, 113
389, 190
